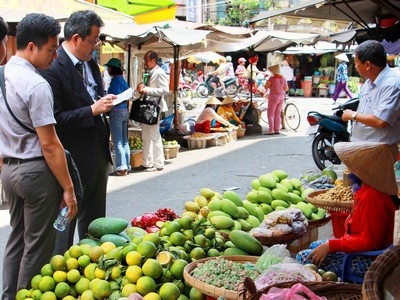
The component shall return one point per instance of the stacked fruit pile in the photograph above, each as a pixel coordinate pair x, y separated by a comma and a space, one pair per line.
135, 143
117, 261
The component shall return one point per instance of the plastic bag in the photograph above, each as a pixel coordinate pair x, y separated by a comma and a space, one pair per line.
273, 255
291, 294
284, 272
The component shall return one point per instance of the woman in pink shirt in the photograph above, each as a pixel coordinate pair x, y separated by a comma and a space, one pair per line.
277, 86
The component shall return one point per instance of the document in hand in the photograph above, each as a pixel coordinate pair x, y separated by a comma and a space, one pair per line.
124, 96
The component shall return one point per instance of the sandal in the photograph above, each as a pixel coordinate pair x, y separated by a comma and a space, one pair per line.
269, 133
121, 173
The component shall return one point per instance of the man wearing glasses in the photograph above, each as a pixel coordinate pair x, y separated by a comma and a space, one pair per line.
79, 108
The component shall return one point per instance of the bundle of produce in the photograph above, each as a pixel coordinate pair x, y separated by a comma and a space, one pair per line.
286, 272
282, 222
152, 222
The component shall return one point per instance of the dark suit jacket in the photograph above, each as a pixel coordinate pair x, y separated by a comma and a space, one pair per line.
81, 133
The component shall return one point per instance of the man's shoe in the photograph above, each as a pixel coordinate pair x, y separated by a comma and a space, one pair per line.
141, 168
152, 169
160, 169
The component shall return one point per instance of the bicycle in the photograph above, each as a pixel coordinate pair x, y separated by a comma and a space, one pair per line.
290, 114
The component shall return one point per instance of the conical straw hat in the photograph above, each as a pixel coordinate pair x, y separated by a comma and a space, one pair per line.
228, 100
372, 162
275, 69
342, 56
213, 101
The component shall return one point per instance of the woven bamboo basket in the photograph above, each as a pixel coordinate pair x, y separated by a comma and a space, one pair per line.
282, 239
330, 290
378, 272
320, 222
338, 206
211, 290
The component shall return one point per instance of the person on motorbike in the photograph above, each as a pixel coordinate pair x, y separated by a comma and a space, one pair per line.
241, 72
219, 74
377, 118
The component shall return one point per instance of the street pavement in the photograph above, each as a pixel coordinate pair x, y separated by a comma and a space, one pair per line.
233, 165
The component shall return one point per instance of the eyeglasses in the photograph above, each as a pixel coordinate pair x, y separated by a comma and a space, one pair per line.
94, 44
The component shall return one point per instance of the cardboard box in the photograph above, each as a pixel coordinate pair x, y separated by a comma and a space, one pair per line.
303, 242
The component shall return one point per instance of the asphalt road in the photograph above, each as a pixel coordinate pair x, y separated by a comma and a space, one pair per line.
235, 164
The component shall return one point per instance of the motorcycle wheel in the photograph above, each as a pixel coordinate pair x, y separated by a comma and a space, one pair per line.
323, 152
243, 92
186, 93
202, 91
231, 90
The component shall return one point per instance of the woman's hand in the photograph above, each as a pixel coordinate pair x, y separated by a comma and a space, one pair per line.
318, 256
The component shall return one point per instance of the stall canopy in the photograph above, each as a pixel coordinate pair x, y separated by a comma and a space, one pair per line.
376, 19
14, 10
144, 11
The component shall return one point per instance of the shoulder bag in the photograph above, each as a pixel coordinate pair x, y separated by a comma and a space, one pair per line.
73, 169
145, 111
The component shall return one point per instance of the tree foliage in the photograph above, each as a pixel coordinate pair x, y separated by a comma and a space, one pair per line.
239, 12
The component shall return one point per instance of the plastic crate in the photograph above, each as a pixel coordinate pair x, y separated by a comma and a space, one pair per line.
338, 219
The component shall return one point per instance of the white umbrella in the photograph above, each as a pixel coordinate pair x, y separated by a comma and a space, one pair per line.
204, 57
342, 56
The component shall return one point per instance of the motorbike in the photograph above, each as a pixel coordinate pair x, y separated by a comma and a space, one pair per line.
205, 88
328, 130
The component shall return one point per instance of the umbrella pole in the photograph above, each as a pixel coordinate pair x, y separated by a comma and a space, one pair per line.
176, 80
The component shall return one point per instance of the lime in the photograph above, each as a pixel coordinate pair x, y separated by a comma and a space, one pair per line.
145, 285
133, 273
177, 238
47, 283
75, 251
177, 268
82, 285
101, 289
61, 290
152, 268
195, 294
60, 276
48, 296
58, 263
73, 276
164, 257
152, 237
169, 291
35, 281
128, 289
133, 258
147, 249
152, 296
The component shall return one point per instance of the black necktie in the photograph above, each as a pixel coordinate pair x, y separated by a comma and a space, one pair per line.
79, 67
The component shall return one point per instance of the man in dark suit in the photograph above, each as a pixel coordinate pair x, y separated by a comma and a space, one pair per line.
79, 108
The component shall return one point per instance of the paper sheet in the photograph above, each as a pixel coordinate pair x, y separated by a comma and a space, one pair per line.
124, 96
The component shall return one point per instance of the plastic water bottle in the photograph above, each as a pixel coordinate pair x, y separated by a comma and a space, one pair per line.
62, 220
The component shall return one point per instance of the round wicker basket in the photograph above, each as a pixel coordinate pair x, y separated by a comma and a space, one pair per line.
378, 272
329, 205
330, 290
320, 222
211, 290
282, 239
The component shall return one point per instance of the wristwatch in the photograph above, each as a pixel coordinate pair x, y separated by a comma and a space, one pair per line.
354, 116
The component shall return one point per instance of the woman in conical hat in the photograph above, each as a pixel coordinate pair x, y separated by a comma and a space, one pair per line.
277, 86
370, 225
228, 113
209, 118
